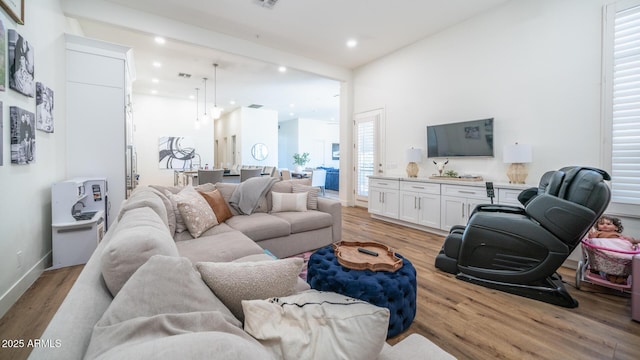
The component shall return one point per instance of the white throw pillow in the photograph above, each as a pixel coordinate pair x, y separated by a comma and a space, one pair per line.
317, 325
289, 202
233, 282
312, 194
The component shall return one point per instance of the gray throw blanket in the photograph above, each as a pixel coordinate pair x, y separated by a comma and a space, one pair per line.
246, 197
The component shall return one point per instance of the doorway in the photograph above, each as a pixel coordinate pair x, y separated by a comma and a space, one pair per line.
367, 156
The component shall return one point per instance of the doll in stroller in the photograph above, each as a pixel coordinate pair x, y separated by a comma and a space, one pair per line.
607, 255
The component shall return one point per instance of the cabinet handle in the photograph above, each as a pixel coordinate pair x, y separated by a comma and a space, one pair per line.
419, 203
467, 192
383, 184
468, 209
382, 197
462, 210
417, 187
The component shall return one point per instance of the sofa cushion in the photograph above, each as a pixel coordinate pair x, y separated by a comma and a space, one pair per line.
152, 312
260, 226
305, 221
225, 246
168, 205
218, 204
218, 229
196, 212
312, 194
139, 235
317, 325
250, 280
145, 196
301, 284
289, 202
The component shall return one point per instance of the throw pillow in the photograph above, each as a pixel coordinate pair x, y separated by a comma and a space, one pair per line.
317, 325
289, 202
180, 225
236, 281
312, 194
218, 205
196, 212
140, 234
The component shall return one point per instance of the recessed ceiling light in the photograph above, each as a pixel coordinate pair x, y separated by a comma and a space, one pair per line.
155, 81
292, 105
282, 69
160, 40
157, 64
232, 102
153, 92
191, 97
291, 114
351, 43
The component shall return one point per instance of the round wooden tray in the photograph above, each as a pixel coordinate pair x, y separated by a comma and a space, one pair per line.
349, 256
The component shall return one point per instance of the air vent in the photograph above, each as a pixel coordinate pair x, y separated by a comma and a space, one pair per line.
269, 4
255, 106
184, 75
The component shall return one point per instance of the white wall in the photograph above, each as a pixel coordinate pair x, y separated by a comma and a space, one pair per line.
155, 117
533, 65
308, 135
259, 126
25, 209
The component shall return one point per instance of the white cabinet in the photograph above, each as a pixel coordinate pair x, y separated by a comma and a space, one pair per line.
383, 197
458, 202
420, 203
509, 197
98, 80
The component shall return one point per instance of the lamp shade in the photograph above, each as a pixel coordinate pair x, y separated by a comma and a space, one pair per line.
517, 153
414, 155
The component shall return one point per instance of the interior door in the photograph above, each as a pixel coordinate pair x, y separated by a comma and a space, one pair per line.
367, 160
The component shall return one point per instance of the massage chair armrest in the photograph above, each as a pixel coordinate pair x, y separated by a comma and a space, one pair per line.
565, 219
526, 195
498, 208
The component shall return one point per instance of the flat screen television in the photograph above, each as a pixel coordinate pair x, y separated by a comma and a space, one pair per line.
467, 138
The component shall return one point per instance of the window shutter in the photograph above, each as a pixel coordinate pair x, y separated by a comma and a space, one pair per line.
625, 142
366, 148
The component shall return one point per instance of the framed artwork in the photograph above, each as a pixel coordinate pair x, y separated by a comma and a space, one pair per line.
177, 153
21, 67
23, 136
15, 9
44, 108
3, 63
335, 151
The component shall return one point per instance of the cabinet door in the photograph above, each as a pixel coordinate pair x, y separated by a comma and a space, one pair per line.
390, 199
409, 207
453, 212
375, 200
429, 210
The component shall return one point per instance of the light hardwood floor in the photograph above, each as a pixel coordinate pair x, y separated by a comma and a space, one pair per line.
469, 321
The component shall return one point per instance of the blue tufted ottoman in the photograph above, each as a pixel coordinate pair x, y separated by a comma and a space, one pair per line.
394, 290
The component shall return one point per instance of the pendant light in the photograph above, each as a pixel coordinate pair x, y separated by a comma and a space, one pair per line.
205, 117
216, 112
197, 123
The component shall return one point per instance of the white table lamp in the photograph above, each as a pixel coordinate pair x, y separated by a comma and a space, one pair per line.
413, 156
517, 155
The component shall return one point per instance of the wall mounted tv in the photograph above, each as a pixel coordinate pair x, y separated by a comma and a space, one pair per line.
467, 138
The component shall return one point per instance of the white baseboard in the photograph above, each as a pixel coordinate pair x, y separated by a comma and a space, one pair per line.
22, 285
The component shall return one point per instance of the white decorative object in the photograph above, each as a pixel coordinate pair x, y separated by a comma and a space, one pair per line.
517, 155
413, 156
440, 166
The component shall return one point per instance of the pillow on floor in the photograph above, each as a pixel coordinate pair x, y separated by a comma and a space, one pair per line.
317, 325
233, 282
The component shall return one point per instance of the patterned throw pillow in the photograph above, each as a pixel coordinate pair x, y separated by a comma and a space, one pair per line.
195, 211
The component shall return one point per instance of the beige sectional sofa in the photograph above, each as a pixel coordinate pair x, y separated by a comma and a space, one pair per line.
153, 291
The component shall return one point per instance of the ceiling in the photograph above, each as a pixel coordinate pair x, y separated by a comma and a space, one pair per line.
314, 29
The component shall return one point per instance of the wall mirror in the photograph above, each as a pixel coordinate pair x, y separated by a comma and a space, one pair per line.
259, 151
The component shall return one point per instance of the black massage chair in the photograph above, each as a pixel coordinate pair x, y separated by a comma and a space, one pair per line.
518, 249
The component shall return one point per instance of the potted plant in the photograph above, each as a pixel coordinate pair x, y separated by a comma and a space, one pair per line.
300, 161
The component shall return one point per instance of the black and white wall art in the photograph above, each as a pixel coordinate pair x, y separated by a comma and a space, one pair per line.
1, 134
3, 62
44, 108
23, 136
177, 153
21, 67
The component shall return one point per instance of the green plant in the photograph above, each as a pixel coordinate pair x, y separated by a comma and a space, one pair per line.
450, 173
301, 160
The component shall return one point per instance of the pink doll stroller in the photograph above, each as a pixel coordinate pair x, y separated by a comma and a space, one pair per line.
606, 256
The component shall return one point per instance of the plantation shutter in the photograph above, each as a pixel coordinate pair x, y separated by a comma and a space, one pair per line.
625, 141
366, 154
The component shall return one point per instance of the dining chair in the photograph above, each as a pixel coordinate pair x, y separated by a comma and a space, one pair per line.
249, 173
285, 174
318, 178
210, 176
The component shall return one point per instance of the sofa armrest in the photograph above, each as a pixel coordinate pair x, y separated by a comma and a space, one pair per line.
333, 208
414, 346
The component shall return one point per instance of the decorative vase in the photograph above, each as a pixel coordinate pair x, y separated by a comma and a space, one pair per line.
298, 168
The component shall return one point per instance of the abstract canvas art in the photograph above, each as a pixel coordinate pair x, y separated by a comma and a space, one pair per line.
177, 153
44, 108
1, 134
23, 136
3, 63
21, 67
